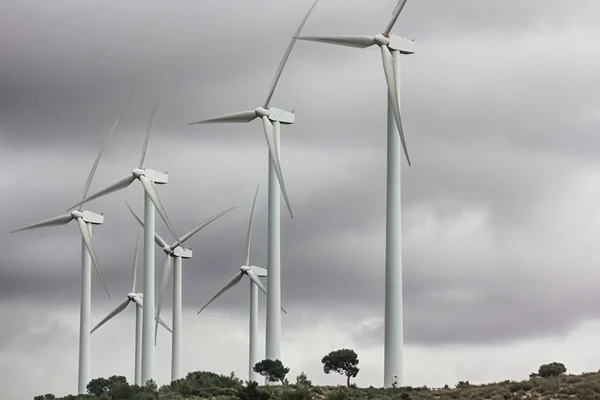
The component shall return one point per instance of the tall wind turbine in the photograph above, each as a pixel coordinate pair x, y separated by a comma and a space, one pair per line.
136, 298
272, 118
148, 178
391, 47
85, 219
178, 253
254, 273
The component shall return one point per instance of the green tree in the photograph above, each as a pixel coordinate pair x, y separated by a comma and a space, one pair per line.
552, 369
252, 392
97, 387
273, 370
302, 380
47, 396
343, 361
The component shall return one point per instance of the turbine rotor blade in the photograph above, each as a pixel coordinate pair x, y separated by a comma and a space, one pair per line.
201, 225
160, 321
360, 42
140, 303
249, 234
232, 282
157, 239
239, 117
285, 57
161, 293
390, 77
96, 162
151, 190
274, 153
151, 123
56, 221
258, 282
119, 185
112, 314
87, 239
395, 16
134, 273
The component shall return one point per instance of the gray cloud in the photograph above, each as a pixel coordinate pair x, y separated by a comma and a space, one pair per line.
498, 232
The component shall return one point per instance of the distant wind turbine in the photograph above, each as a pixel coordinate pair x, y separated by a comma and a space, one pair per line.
271, 118
254, 273
148, 178
391, 47
178, 253
136, 298
85, 220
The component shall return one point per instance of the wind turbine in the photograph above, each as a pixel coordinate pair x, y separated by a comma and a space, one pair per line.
148, 178
272, 118
253, 273
85, 219
391, 47
178, 253
136, 298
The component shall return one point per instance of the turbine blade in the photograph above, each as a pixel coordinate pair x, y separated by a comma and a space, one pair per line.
138, 301
157, 239
119, 185
239, 117
112, 314
249, 234
285, 57
200, 226
395, 16
361, 42
151, 123
258, 282
161, 293
270, 136
87, 239
134, 273
96, 162
232, 282
151, 190
390, 77
56, 221
160, 321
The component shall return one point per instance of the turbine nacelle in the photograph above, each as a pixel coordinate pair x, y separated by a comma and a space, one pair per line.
276, 114
404, 46
182, 252
259, 271
155, 176
89, 217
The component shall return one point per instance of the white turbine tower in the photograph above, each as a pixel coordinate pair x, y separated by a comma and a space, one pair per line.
253, 272
391, 48
85, 220
137, 298
148, 178
178, 253
272, 118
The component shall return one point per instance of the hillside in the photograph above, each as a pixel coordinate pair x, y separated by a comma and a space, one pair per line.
201, 385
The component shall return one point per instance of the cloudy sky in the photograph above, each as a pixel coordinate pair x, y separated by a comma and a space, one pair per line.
501, 109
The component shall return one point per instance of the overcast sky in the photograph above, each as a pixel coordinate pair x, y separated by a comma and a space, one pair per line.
501, 110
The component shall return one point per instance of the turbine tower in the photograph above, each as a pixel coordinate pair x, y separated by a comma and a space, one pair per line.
272, 118
254, 273
136, 298
391, 47
178, 253
148, 178
85, 219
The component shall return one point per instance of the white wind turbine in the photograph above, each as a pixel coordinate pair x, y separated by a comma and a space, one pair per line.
391, 47
253, 272
178, 253
272, 118
148, 178
85, 219
138, 299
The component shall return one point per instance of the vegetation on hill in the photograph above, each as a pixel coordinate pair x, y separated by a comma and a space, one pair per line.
549, 382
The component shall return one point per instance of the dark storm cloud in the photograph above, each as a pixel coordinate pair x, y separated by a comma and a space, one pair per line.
487, 131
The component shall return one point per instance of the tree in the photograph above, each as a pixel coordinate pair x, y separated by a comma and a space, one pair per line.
552, 369
252, 392
302, 380
273, 370
343, 361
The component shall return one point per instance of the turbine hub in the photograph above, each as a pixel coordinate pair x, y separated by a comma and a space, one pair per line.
137, 172
245, 268
131, 295
76, 214
167, 249
262, 112
382, 40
